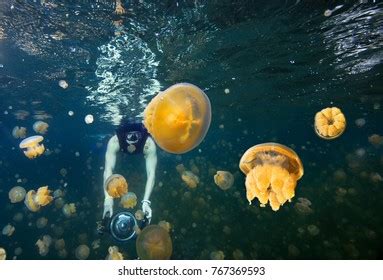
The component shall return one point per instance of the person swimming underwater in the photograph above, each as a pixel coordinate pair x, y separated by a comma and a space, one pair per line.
132, 138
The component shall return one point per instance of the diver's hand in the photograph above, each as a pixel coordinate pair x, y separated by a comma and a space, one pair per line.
147, 209
108, 206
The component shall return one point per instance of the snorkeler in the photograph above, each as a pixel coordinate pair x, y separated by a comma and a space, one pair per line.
131, 138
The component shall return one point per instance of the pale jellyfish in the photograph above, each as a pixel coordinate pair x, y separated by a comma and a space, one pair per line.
224, 180
114, 254
19, 132
139, 215
62, 253
60, 244
41, 222
238, 255
32, 147
376, 140
43, 245
40, 127
129, 200
165, 225
3, 254
8, 230
313, 230
16, 194
63, 84
190, 179
58, 193
69, 210
89, 119
217, 255
18, 251
303, 206
82, 252
59, 203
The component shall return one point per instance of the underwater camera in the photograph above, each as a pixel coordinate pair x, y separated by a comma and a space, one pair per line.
121, 225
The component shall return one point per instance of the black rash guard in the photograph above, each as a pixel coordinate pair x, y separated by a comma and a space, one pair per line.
132, 137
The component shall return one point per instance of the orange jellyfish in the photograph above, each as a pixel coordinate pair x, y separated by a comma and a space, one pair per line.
165, 225
272, 171
116, 185
34, 200
224, 179
19, 132
154, 243
3, 254
32, 146
40, 127
129, 200
190, 179
178, 118
114, 254
16, 194
330, 123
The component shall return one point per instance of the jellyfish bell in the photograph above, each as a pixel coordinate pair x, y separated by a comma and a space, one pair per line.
16, 194
190, 179
224, 180
3, 254
178, 118
82, 252
69, 210
272, 171
114, 254
40, 127
154, 243
217, 255
330, 123
41, 222
32, 147
129, 200
8, 230
19, 132
116, 185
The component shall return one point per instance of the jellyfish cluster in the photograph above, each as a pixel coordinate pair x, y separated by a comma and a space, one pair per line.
35, 200
116, 185
178, 118
272, 171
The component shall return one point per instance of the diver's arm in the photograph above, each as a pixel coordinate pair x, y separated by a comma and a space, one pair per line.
110, 162
150, 152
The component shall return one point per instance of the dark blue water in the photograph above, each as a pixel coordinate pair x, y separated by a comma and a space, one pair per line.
282, 62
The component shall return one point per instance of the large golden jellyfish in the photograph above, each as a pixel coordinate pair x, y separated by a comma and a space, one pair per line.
272, 171
17, 194
34, 200
154, 243
178, 118
116, 185
330, 123
32, 147
40, 127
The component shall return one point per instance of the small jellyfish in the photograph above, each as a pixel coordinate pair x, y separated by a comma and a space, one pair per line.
272, 171
114, 254
376, 140
41, 222
129, 200
330, 123
19, 132
89, 119
18, 217
154, 243
178, 118
313, 230
190, 179
116, 185
303, 206
34, 200
43, 247
59, 203
63, 84
62, 253
180, 168
165, 225
32, 147
17, 194
40, 127
217, 255
60, 244
8, 230
224, 180
238, 255
82, 252
69, 210
58, 193
140, 215
18, 251
3, 254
